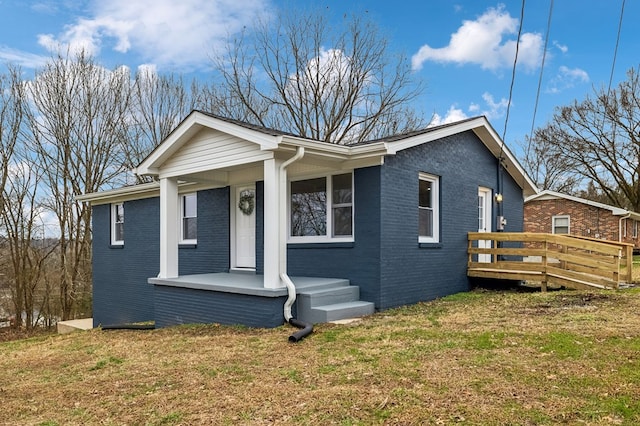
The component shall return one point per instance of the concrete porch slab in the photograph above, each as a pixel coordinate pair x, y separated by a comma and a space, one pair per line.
69, 326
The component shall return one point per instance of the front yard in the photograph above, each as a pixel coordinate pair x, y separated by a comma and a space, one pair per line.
483, 357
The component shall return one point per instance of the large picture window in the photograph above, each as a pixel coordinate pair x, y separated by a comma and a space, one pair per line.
428, 209
189, 218
322, 208
117, 224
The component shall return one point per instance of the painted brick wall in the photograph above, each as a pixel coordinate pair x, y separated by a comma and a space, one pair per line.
211, 254
413, 272
359, 262
121, 293
174, 305
584, 220
386, 261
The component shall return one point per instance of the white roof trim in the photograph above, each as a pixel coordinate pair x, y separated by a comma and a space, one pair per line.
369, 153
553, 195
190, 126
481, 127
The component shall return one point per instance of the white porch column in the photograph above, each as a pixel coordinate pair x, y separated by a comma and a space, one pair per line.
168, 228
272, 224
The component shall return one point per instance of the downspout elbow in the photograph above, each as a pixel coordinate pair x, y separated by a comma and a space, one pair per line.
625, 217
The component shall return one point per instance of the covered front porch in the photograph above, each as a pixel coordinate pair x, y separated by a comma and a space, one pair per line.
241, 298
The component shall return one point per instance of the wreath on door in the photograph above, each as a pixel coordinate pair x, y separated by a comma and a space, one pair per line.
246, 203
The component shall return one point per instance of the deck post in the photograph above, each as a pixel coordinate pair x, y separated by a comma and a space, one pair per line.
544, 266
629, 254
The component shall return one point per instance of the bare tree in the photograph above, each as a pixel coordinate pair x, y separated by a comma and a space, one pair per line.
300, 74
547, 169
599, 139
11, 119
28, 249
158, 104
79, 124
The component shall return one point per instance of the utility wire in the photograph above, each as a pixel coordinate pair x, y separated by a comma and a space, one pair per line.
613, 66
513, 78
544, 56
615, 52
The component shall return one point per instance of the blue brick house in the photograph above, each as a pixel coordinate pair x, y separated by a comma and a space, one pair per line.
247, 225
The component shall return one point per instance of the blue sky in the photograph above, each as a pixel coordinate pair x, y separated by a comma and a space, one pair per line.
461, 50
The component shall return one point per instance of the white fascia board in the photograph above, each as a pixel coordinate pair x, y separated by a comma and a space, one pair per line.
481, 127
553, 195
429, 136
142, 191
133, 192
496, 145
193, 123
266, 141
336, 151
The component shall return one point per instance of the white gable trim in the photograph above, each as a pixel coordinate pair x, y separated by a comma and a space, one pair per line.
552, 195
481, 127
192, 124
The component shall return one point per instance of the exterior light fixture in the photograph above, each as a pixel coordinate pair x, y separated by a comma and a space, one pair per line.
498, 197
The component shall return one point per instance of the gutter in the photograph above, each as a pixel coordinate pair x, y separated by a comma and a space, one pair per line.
305, 327
625, 217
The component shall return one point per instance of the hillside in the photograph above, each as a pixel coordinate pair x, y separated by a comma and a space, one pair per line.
484, 357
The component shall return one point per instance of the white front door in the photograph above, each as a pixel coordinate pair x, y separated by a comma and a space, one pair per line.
484, 221
244, 247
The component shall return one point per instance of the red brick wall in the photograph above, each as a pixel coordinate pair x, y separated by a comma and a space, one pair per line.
584, 220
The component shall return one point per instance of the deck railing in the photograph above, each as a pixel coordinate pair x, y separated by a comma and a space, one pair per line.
575, 262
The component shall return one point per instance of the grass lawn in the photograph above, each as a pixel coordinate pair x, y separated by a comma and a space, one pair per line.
483, 357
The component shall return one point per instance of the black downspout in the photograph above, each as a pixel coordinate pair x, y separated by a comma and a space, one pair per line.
306, 327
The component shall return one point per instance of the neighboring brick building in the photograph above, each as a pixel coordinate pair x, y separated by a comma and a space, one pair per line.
556, 213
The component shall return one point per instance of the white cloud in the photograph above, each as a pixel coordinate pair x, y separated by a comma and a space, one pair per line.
494, 109
561, 47
491, 110
483, 42
23, 59
165, 32
453, 114
566, 79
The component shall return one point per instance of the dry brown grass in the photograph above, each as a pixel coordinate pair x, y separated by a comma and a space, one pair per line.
484, 357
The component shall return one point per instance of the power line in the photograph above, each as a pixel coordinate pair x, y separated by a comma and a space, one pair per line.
513, 76
544, 56
615, 52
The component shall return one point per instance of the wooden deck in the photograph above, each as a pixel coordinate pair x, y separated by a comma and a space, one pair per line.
570, 261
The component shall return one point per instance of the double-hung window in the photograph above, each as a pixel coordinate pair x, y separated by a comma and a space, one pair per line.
560, 224
117, 224
428, 209
321, 209
189, 219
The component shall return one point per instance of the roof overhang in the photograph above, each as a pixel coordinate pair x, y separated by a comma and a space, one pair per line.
191, 125
328, 154
553, 195
485, 132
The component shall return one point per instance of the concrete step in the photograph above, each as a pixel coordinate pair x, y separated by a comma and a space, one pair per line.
329, 296
338, 311
69, 326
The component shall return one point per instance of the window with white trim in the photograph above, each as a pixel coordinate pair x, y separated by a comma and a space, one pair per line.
428, 209
321, 209
560, 224
634, 234
189, 218
117, 224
